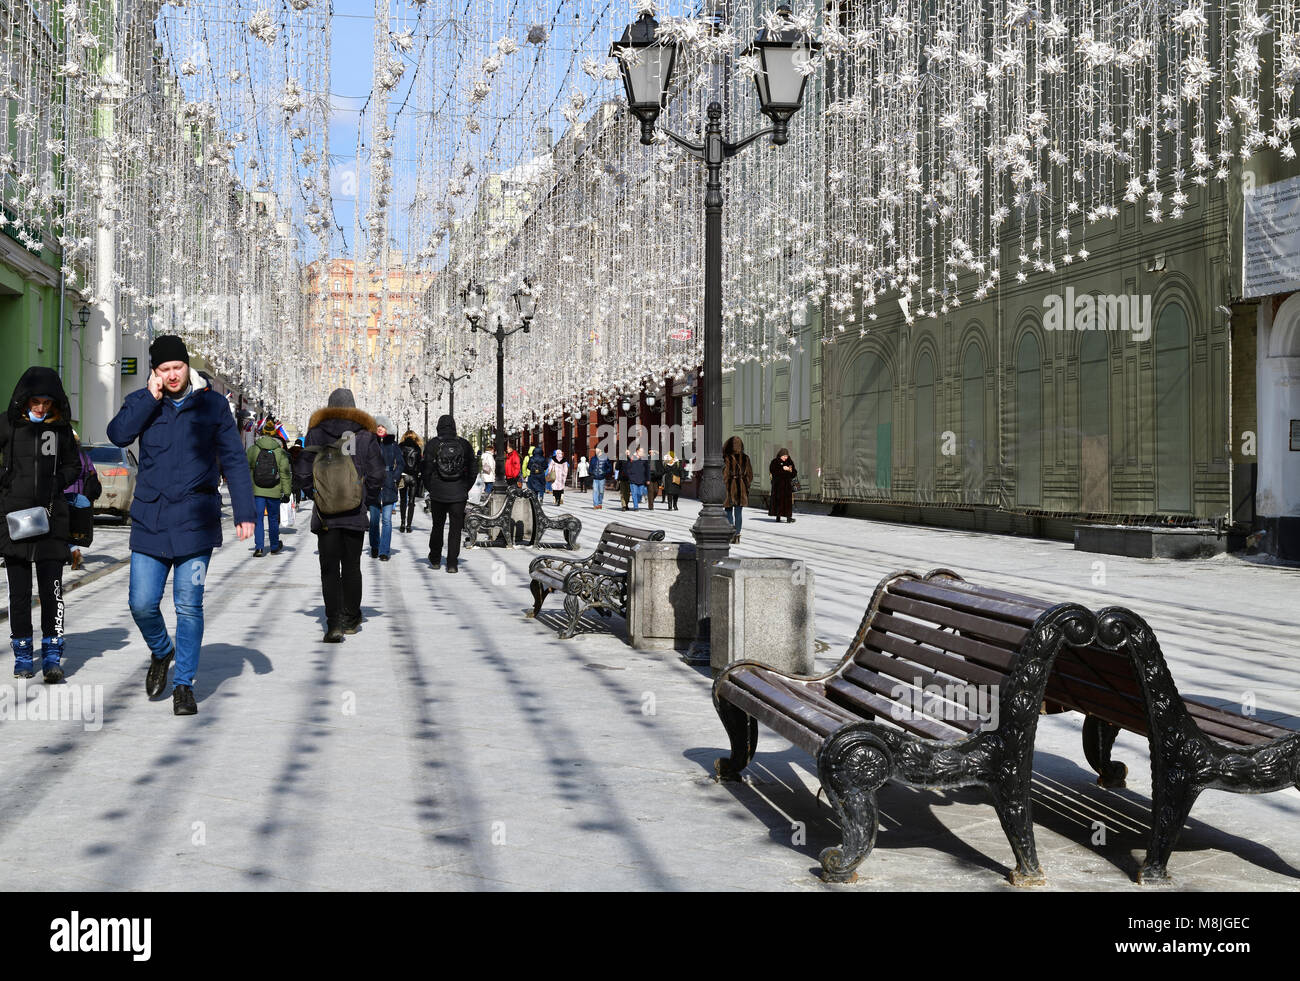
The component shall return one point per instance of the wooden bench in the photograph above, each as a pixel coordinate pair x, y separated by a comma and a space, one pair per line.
600, 581
498, 524
859, 720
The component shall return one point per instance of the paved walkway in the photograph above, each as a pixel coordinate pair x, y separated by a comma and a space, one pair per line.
455, 744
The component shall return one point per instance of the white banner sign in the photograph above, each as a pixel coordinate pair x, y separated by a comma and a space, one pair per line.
1272, 239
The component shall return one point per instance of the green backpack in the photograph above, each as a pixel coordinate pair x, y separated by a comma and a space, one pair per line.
338, 485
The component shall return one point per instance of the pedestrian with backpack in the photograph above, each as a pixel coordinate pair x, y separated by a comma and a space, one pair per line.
187, 441
40, 459
408, 486
342, 469
269, 464
450, 470
381, 510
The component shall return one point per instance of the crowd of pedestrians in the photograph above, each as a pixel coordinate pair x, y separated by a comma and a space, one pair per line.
348, 463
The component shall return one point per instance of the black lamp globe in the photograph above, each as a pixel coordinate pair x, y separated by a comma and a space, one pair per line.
646, 62
783, 56
526, 303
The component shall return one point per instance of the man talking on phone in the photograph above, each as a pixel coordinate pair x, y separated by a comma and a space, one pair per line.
187, 440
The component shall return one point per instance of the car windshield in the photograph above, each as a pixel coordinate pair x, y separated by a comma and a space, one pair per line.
104, 454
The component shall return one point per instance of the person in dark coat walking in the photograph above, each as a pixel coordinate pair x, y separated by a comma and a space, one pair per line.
450, 469
674, 474
40, 459
780, 503
188, 441
737, 475
537, 467
381, 511
638, 475
341, 536
408, 488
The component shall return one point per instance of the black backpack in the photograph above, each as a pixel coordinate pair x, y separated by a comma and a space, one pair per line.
410, 459
449, 460
266, 472
535, 468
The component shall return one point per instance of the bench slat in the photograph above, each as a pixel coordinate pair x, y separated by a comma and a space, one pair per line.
939, 660
883, 709
892, 667
916, 706
808, 715
981, 652
801, 736
966, 601
997, 630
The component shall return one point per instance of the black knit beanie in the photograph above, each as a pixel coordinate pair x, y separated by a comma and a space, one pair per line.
167, 348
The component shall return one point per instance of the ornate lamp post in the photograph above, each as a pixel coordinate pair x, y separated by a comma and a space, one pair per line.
474, 298
647, 62
451, 378
415, 394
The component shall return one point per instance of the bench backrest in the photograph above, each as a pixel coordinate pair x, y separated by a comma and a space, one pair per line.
1103, 684
932, 656
614, 550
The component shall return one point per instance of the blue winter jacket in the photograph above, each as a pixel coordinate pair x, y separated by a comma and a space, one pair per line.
183, 452
599, 468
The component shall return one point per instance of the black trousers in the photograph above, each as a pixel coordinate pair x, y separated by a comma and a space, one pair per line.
49, 580
439, 511
407, 495
340, 574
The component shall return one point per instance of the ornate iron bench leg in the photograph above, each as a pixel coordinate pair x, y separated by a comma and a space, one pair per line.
571, 537
742, 730
1015, 814
1098, 738
573, 607
1173, 794
540, 593
852, 767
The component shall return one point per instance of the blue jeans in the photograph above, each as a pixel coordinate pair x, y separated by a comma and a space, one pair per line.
148, 580
381, 528
734, 515
597, 491
270, 506
638, 495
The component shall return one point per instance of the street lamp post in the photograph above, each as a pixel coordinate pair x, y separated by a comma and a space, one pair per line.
415, 394
451, 378
647, 62
474, 298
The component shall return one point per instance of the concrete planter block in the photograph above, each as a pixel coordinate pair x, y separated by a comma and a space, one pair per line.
661, 607
762, 611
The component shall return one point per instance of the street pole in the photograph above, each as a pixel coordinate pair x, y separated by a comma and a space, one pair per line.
712, 531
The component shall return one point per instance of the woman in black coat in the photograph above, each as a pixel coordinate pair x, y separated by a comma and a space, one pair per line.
781, 503
40, 459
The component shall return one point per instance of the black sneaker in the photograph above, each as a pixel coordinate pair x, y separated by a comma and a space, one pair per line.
156, 679
183, 701
435, 560
453, 567
374, 553
278, 549
258, 553
334, 635
383, 558
352, 626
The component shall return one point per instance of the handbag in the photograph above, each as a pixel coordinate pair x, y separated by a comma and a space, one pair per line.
28, 523
795, 486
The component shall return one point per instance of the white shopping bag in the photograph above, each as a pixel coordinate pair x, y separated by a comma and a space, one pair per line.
287, 514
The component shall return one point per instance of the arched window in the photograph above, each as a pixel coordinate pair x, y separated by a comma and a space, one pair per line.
972, 424
1094, 423
926, 438
1029, 423
1173, 409
867, 442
